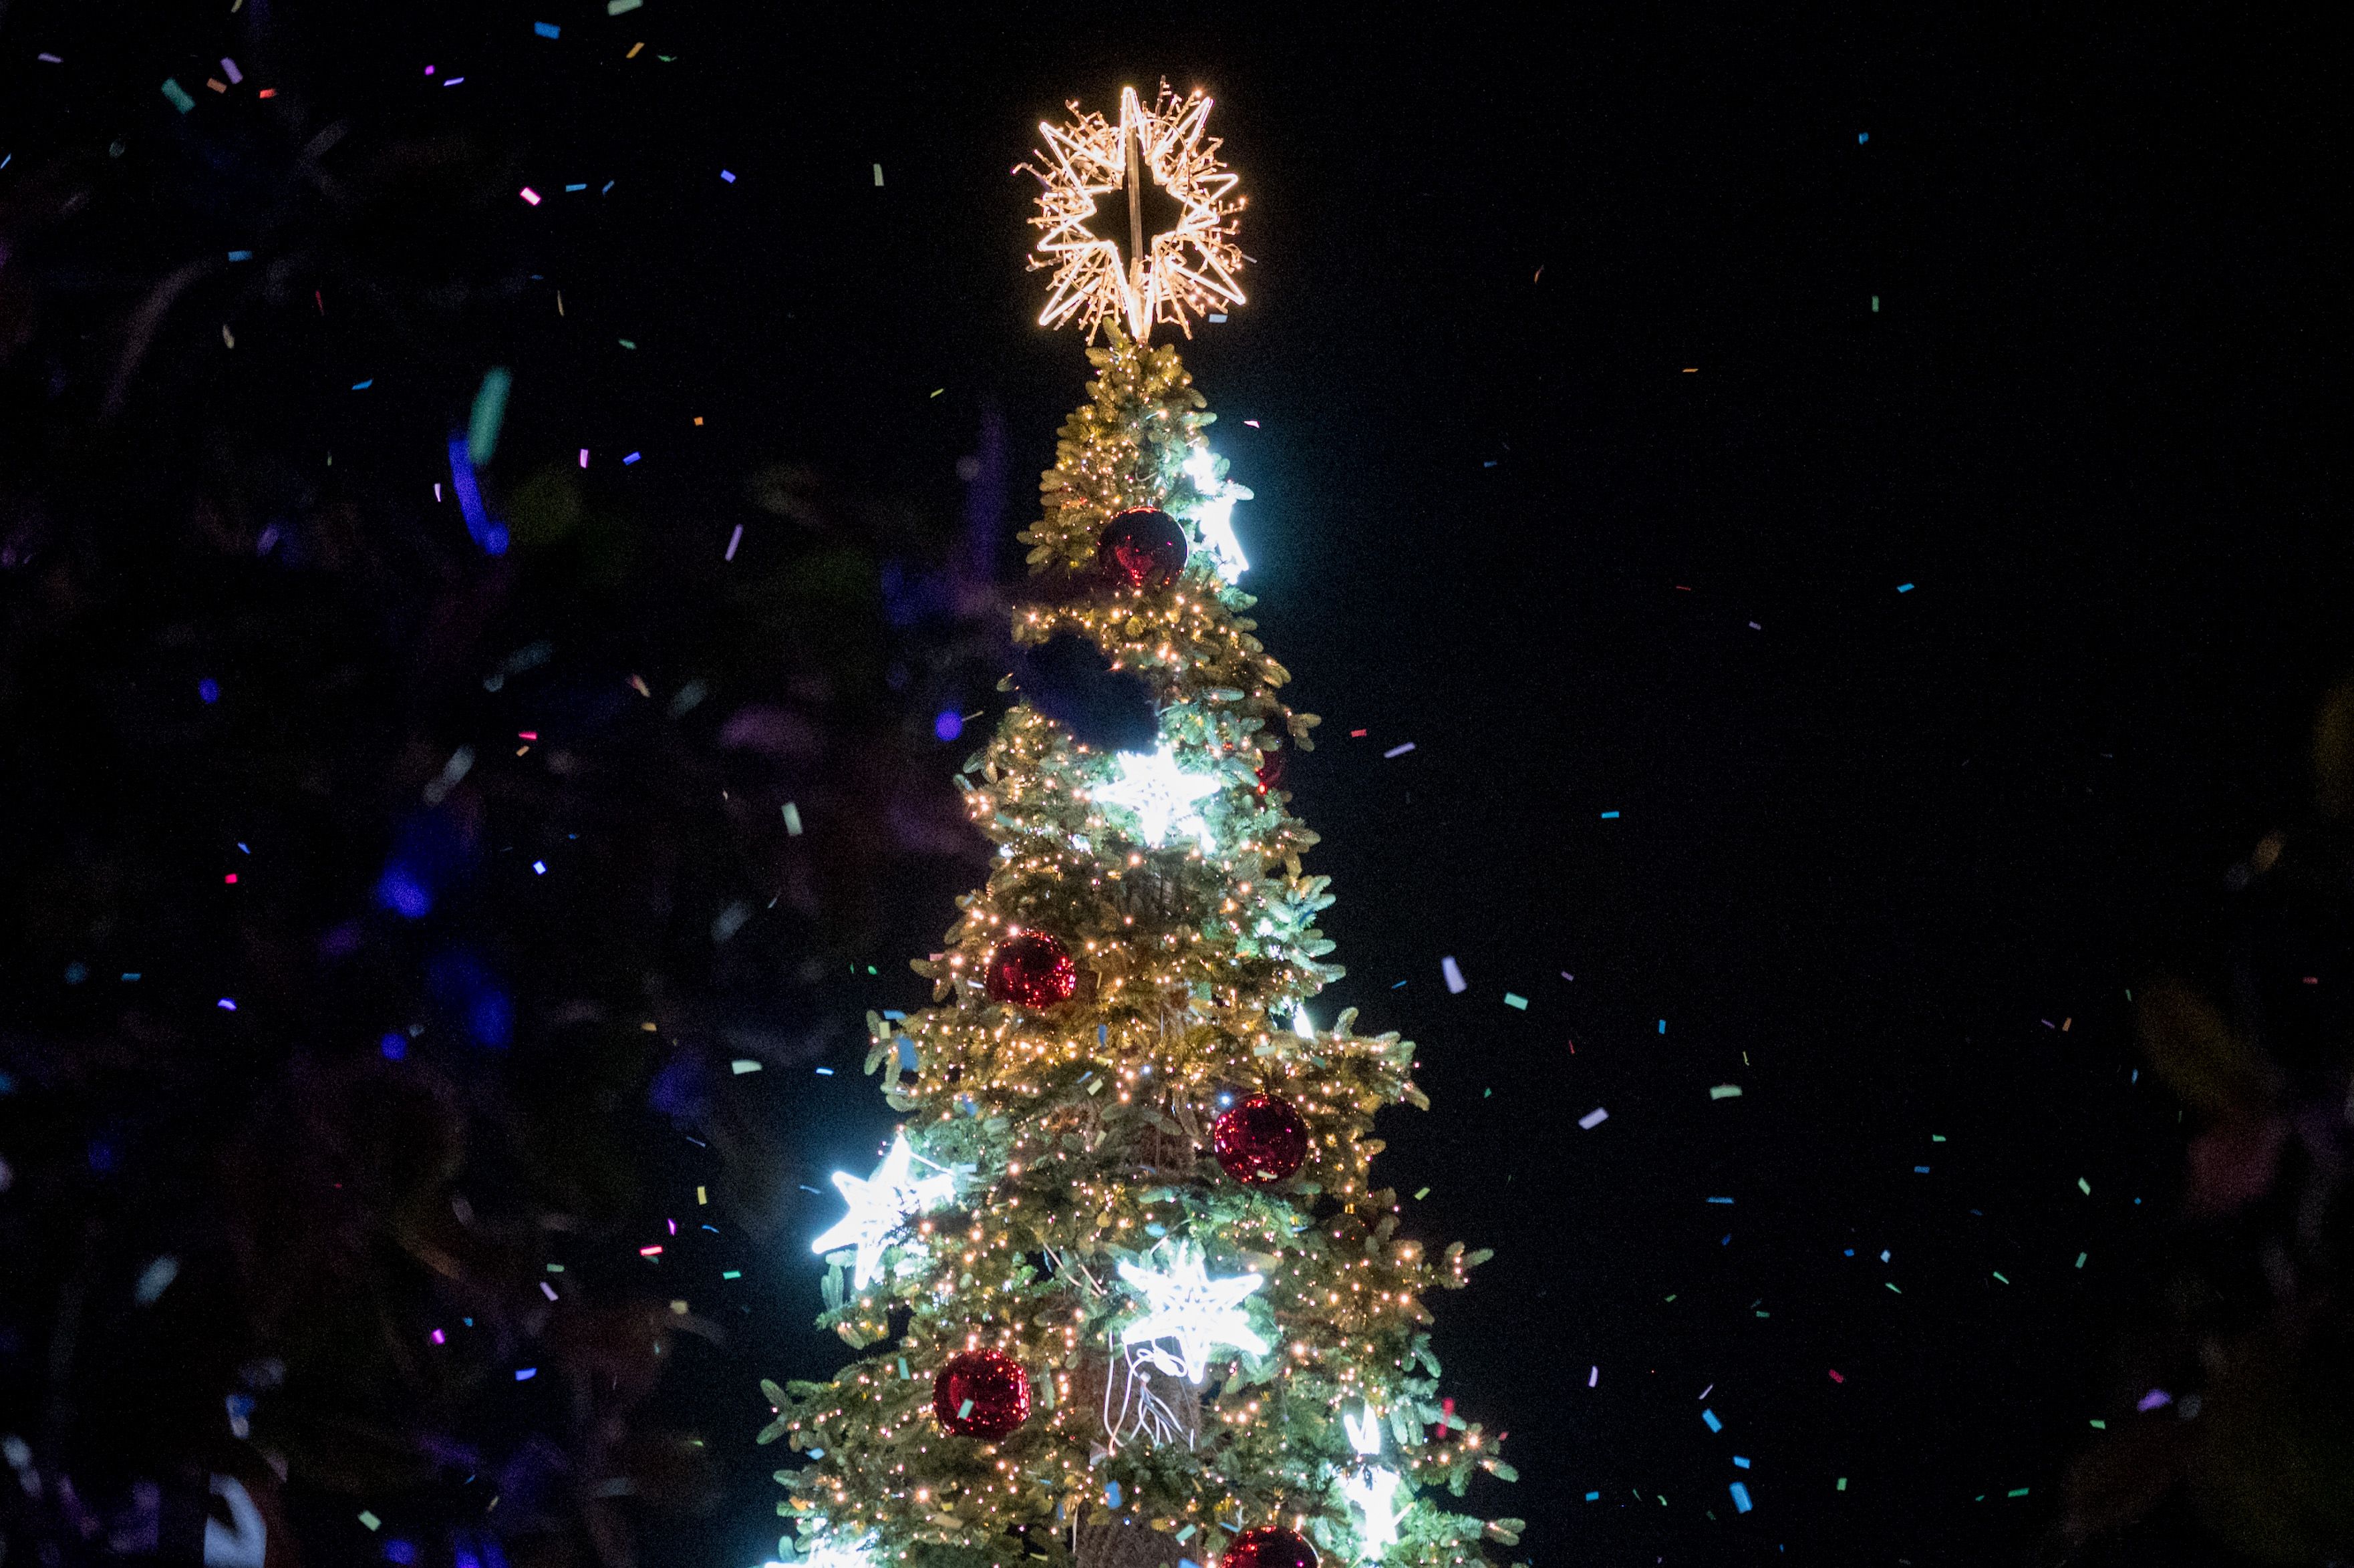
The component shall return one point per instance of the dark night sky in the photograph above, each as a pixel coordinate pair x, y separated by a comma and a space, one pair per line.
1865, 848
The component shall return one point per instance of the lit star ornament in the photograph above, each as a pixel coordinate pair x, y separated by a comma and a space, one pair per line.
828, 1552
1160, 793
1214, 514
1373, 1492
1185, 1304
1113, 263
880, 1204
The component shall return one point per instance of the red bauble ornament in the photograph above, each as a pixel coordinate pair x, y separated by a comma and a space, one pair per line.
1260, 1140
1271, 771
1032, 970
1270, 1546
982, 1394
1142, 548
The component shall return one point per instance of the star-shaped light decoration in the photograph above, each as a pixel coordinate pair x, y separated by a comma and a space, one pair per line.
1160, 793
828, 1552
1117, 264
1214, 515
1373, 1492
1185, 1304
880, 1204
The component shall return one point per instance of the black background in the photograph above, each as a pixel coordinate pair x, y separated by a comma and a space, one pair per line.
1563, 349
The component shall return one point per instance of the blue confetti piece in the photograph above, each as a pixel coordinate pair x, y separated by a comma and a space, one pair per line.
240, 255
825, 1072
227, 1004
1740, 1498
525, 1374
1663, 1026
1739, 1463
547, 29
1609, 816
492, 536
1861, 137
363, 386
1920, 1171
1112, 1494
631, 458
1720, 1199
727, 177
906, 1053
1594, 1497
1710, 1416
1903, 588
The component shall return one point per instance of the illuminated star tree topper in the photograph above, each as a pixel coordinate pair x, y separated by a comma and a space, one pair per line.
1117, 264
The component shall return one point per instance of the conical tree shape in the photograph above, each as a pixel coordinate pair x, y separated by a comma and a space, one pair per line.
1061, 1189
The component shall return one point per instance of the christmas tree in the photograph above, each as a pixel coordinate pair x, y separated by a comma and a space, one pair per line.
1127, 1289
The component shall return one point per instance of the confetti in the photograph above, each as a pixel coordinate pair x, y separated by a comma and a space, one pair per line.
1455, 984
1725, 1092
1594, 1119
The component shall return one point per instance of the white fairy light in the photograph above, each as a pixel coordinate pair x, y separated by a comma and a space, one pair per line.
1214, 514
1160, 793
1168, 277
880, 1204
1373, 1492
1185, 1304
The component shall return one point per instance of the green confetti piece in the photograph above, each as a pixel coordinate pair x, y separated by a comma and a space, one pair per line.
625, 342
1512, 1001
1937, 1138
490, 411
903, 1369
743, 1064
622, 8
2081, 1257
732, 1274
2099, 1425
178, 96
1890, 1286
2016, 1492
1842, 1485
964, 1410
2084, 1186
1725, 1092
1997, 1274
370, 1520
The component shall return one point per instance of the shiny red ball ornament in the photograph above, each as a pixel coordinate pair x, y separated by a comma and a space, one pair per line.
1270, 772
1142, 548
981, 1393
1270, 1546
1032, 970
1260, 1140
